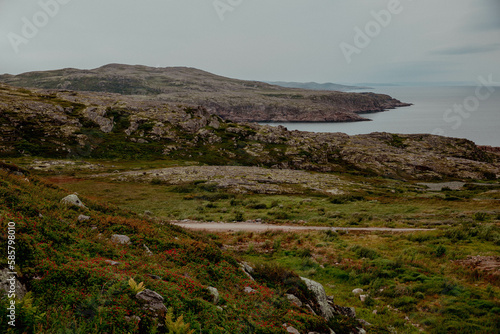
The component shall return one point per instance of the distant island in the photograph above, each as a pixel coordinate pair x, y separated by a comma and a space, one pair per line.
231, 99
317, 86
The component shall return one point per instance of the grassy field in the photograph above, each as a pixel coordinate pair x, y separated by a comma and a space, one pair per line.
204, 202
412, 282
82, 281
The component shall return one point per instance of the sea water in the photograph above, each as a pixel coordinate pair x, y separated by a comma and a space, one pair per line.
448, 111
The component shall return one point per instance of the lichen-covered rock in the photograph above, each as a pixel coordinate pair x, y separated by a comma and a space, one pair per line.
320, 295
72, 200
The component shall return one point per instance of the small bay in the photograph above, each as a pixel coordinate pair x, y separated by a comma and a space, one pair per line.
453, 111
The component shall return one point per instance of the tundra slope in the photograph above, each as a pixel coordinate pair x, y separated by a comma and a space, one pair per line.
55, 124
78, 266
237, 100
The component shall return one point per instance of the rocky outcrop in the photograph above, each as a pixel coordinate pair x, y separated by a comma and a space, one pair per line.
57, 124
97, 115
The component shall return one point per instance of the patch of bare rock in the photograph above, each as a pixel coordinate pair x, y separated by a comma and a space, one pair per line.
239, 179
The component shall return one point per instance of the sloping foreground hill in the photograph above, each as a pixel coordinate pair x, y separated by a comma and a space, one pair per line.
67, 124
74, 262
238, 100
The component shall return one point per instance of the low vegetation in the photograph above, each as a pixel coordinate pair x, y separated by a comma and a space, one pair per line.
411, 282
81, 281
438, 281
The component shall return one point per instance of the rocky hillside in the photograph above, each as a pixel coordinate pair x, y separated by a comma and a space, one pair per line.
237, 100
81, 125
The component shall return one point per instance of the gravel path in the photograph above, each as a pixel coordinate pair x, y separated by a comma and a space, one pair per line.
249, 227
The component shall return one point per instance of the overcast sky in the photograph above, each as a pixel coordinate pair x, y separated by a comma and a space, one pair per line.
268, 40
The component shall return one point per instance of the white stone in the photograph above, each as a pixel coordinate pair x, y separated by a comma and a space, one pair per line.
120, 239
215, 294
72, 200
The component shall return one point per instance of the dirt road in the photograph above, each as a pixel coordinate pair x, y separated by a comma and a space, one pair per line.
250, 227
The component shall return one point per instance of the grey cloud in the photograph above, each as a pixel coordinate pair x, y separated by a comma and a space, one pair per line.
484, 16
464, 50
280, 40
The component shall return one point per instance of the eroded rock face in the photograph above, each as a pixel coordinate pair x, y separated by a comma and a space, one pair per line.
319, 292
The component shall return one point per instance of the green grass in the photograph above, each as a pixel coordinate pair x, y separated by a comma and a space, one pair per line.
398, 272
73, 289
202, 201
